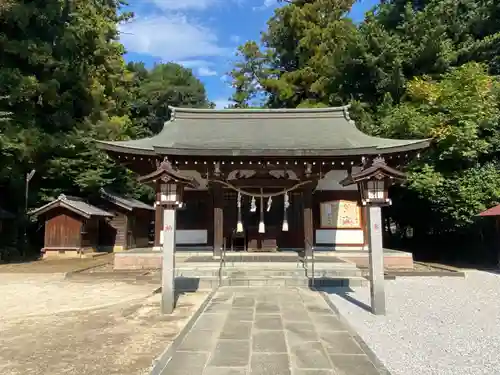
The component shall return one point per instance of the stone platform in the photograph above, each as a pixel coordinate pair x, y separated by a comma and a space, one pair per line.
147, 258
255, 331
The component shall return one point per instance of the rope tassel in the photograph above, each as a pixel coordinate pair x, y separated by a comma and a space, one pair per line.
239, 225
253, 206
285, 205
262, 226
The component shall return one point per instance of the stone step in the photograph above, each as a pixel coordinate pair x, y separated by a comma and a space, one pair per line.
192, 284
296, 281
262, 265
243, 273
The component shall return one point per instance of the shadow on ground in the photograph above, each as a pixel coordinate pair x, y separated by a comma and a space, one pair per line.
344, 293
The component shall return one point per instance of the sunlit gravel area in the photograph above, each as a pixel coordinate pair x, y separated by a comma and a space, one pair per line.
438, 326
52, 326
47, 294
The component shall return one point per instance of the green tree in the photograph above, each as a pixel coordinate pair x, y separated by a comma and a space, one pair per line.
63, 72
459, 177
305, 48
165, 85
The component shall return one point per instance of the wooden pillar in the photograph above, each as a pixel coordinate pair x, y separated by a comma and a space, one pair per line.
308, 220
158, 217
218, 218
365, 225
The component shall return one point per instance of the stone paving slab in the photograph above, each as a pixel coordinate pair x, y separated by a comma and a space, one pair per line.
257, 331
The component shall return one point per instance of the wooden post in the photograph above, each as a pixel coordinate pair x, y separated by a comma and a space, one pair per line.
308, 221
218, 219
158, 218
366, 231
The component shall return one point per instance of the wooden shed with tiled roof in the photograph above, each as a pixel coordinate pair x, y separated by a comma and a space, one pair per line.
71, 226
130, 225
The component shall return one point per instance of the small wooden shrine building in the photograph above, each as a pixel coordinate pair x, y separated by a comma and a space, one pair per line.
71, 226
129, 226
269, 178
109, 222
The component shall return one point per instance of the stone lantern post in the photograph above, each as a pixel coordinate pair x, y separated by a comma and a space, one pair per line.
373, 184
172, 188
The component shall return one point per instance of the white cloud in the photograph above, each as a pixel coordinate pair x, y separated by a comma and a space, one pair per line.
172, 38
266, 4
194, 63
206, 72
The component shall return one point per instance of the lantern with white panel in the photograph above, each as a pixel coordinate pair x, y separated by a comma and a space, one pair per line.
373, 184
172, 194
172, 184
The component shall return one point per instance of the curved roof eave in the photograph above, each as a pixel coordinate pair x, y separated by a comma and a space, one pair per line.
160, 150
412, 145
123, 149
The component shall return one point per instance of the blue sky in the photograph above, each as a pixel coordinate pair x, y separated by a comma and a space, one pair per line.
200, 34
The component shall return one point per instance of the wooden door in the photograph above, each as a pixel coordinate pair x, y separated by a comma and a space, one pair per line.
63, 230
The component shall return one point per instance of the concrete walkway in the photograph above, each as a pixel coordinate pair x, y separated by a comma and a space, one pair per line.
258, 331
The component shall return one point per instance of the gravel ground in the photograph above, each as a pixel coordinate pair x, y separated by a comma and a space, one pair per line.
44, 294
438, 326
55, 265
53, 326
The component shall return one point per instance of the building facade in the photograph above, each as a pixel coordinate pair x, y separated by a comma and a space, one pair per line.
266, 179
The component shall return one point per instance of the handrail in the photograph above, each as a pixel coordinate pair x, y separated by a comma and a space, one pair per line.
306, 262
222, 259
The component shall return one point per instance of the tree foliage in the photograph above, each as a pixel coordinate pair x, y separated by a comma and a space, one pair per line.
410, 69
63, 84
165, 85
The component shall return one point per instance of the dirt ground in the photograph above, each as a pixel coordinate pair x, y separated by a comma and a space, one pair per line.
55, 265
50, 325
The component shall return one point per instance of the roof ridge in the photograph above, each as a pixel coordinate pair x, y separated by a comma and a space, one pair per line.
258, 110
71, 198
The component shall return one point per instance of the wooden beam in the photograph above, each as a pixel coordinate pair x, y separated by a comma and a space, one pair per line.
218, 199
308, 219
158, 215
267, 183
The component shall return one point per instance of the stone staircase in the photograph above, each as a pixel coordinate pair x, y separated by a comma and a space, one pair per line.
259, 274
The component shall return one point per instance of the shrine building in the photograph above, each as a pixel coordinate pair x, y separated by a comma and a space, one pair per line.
267, 179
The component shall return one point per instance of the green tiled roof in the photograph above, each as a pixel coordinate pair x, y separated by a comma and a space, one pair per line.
262, 132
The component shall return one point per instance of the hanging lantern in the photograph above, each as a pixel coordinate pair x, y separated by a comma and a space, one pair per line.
262, 226
285, 221
239, 225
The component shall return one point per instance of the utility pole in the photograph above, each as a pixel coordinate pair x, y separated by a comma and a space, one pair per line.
29, 176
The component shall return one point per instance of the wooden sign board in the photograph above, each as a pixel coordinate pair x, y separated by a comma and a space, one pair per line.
340, 214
